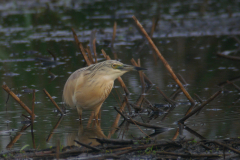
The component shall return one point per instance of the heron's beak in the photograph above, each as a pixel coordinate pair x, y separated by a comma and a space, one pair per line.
131, 68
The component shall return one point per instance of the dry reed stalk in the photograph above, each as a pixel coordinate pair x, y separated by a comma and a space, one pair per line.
55, 104
89, 55
84, 54
176, 134
79, 44
18, 135
165, 97
94, 50
15, 97
114, 33
164, 61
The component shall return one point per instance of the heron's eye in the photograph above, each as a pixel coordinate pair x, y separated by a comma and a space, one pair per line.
115, 66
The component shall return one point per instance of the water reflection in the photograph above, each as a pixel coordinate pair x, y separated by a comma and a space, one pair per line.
86, 135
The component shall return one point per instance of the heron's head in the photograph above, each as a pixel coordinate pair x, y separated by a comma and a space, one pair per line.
112, 68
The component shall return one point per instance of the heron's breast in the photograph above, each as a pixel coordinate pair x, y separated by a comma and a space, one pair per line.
90, 95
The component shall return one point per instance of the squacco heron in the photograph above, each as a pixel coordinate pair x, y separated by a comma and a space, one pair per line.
88, 87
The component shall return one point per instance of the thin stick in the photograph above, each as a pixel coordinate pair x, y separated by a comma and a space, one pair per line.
228, 57
89, 55
87, 146
55, 104
119, 78
81, 47
32, 120
165, 97
182, 79
200, 107
176, 134
18, 135
231, 80
164, 61
236, 86
33, 102
58, 149
15, 97
52, 54
141, 77
145, 77
84, 54
127, 102
139, 127
193, 132
114, 33
139, 123
200, 100
154, 24
94, 50
26, 117
187, 155
226, 146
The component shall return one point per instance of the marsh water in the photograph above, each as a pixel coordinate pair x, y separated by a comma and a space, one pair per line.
189, 34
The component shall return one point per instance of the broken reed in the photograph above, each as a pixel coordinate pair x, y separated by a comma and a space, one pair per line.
55, 104
15, 97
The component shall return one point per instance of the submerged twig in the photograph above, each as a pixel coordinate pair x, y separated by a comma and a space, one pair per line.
87, 146
52, 54
200, 107
158, 128
236, 86
55, 127
165, 97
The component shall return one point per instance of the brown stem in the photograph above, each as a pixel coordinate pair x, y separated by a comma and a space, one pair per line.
55, 104
87, 146
200, 107
89, 55
79, 44
164, 61
94, 50
15, 97
228, 57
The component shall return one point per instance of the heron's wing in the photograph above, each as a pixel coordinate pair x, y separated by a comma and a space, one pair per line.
70, 85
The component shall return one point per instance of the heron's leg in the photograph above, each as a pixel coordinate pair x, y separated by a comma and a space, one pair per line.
99, 117
79, 110
97, 111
